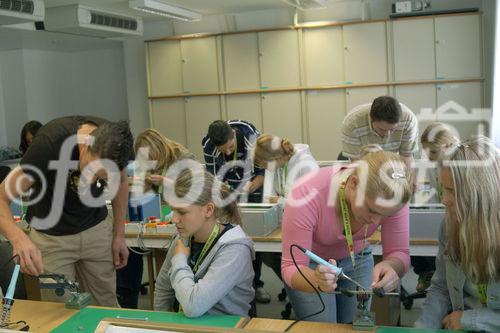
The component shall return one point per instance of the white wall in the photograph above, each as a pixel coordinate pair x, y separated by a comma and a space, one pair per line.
43, 85
14, 99
489, 9
3, 134
496, 87
135, 71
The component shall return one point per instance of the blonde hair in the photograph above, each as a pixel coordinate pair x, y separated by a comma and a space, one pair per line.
386, 175
166, 152
270, 148
439, 141
368, 149
188, 179
474, 242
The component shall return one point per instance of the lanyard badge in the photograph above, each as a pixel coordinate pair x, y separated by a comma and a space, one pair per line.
347, 224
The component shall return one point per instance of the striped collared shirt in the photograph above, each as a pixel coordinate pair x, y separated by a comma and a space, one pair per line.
357, 131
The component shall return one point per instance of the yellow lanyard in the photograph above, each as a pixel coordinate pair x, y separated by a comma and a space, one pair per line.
347, 226
206, 247
204, 251
482, 290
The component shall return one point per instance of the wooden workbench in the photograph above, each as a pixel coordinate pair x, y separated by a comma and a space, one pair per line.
276, 325
42, 317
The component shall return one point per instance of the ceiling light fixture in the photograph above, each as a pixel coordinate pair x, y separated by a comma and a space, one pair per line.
160, 8
307, 4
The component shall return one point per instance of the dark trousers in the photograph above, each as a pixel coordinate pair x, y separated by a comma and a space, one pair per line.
129, 280
423, 264
272, 260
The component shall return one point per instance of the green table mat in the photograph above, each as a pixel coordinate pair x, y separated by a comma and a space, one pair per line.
87, 319
384, 329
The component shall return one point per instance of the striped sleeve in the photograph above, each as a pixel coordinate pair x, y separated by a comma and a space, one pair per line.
351, 144
409, 139
209, 154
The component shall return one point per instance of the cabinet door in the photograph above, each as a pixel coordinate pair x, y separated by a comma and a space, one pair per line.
421, 99
456, 102
164, 70
326, 112
167, 116
241, 61
414, 49
245, 107
458, 46
200, 113
279, 59
199, 65
358, 96
282, 116
323, 56
365, 52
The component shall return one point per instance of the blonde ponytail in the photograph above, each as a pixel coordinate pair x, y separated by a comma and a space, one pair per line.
269, 148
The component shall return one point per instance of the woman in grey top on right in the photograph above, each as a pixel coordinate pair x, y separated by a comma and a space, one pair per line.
465, 289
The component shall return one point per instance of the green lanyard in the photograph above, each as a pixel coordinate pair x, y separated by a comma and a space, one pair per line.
283, 181
482, 290
206, 248
347, 226
160, 187
235, 148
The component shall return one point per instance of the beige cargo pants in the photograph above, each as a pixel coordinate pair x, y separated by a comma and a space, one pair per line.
85, 257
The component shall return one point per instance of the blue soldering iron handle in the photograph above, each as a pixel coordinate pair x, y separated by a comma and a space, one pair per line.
13, 281
337, 270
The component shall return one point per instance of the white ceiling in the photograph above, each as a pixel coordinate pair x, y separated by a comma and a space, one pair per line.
205, 7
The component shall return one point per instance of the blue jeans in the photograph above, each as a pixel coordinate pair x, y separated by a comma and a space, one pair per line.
338, 308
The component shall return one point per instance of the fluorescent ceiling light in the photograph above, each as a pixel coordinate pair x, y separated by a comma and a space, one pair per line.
160, 8
307, 4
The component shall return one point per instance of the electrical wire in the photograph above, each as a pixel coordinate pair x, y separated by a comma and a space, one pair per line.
10, 325
140, 241
11, 259
310, 283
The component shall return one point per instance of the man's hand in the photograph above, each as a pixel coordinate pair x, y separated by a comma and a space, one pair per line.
120, 252
452, 321
30, 257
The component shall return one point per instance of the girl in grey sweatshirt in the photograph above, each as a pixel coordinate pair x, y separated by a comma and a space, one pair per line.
208, 267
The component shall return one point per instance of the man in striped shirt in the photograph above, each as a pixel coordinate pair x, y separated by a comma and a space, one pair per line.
231, 142
385, 122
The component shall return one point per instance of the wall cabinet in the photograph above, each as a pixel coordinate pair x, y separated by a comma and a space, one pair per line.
365, 52
412, 49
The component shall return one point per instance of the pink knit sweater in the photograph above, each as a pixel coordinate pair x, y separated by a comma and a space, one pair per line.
314, 226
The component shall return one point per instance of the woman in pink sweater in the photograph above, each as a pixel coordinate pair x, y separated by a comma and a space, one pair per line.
375, 190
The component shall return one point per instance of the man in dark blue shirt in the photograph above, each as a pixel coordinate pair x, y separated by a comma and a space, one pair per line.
228, 146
